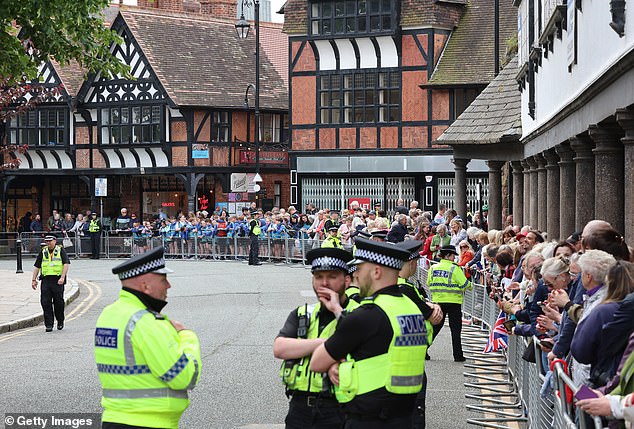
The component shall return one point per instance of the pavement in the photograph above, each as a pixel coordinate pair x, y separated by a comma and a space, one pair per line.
20, 304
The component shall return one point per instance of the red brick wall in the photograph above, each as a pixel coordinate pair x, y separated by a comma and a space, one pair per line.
97, 159
411, 54
414, 105
304, 92
368, 138
204, 135
327, 138
439, 44
219, 8
239, 125
201, 162
414, 137
174, 5
219, 156
389, 137
179, 156
82, 158
81, 135
347, 138
436, 131
440, 102
178, 132
303, 139
306, 61
268, 182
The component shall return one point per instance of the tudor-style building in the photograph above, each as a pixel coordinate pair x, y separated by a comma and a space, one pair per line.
171, 137
374, 83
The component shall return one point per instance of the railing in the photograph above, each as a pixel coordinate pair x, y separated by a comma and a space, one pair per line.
123, 244
551, 411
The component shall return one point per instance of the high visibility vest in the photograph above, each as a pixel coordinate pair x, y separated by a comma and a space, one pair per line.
402, 281
295, 373
400, 370
145, 366
94, 226
332, 242
256, 228
447, 282
353, 292
52, 262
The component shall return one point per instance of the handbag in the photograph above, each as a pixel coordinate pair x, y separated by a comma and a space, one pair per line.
67, 242
529, 353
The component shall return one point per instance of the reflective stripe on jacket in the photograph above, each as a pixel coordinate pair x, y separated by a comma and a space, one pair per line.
145, 366
401, 369
447, 282
52, 262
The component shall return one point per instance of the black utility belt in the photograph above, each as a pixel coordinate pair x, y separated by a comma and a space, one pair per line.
311, 401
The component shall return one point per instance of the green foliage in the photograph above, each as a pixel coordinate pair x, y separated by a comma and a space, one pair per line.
511, 49
62, 30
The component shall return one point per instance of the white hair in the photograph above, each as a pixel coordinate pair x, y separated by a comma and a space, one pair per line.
597, 263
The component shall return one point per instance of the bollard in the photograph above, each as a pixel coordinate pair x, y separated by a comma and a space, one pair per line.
18, 248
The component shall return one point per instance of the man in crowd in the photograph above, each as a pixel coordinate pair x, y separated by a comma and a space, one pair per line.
161, 357
399, 230
313, 403
254, 234
53, 262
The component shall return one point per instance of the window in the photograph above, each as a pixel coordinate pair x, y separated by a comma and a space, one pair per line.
361, 97
462, 99
277, 194
220, 126
351, 16
39, 127
273, 128
135, 124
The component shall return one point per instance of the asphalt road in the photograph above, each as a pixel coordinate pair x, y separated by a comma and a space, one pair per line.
235, 309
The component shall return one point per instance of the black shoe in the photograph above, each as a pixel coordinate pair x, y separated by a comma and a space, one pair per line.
427, 357
60, 326
257, 263
49, 329
460, 359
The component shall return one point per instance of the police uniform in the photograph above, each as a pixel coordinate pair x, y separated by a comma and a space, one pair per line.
383, 342
332, 241
447, 283
51, 266
353, 291
418, 297
145, 365
254, 234
94, 229
313, 404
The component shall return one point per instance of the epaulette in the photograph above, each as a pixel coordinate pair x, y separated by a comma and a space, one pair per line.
156, 314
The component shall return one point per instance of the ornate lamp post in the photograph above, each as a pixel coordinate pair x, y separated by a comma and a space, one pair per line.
242, 28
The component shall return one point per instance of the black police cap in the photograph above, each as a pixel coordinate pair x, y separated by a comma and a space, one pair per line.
412, 246
328, 259
376, 252
148, 262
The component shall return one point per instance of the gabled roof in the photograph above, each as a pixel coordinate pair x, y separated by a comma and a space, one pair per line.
200, 61
468, 57
71, 75
493, 117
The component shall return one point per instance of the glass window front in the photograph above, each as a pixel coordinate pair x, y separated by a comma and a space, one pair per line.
351, 17
133, 124
40, 127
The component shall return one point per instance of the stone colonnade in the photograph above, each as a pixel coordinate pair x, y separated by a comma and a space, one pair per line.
589, 176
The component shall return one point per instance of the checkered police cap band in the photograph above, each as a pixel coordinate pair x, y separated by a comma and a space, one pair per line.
329, 263
148, 267
414, 255
378, 258
352, 268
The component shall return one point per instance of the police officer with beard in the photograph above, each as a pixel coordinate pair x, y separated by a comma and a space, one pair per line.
313, 404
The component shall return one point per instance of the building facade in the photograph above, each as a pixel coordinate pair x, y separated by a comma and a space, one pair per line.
372, 86
177, 136
572, 160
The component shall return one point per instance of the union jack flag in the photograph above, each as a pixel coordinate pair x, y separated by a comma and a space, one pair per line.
498, 339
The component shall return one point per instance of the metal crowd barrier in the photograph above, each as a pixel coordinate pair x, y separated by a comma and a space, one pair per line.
498, 399
122, 244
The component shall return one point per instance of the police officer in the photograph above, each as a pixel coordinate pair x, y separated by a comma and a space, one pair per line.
432, 313
383, 343
313, 404
332, 240
146, 362
447, 283
254, 234
94, 229
53, 263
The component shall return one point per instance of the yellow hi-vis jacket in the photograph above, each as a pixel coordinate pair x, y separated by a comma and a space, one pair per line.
295, 373
447, 282
145, 366
401, 369
52, 262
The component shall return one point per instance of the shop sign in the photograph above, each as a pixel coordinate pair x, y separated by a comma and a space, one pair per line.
238, 196
200, 151
266, 157
168, 204
364, 203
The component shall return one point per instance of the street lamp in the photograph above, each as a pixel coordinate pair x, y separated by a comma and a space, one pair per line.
242, 28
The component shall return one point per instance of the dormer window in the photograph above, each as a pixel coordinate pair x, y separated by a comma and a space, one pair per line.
329, 18
132, 124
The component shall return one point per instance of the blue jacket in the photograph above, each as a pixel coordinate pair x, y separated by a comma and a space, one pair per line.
585, 343
534, 310
568, 327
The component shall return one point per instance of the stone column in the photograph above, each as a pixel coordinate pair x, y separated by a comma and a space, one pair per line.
495, 194
532, 220
518, 193
527, 192
566, 190
626, 121
584, 178
460, 187
552, 194
608, 175
542, 193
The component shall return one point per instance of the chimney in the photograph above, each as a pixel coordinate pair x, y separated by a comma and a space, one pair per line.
219, 8
172, 5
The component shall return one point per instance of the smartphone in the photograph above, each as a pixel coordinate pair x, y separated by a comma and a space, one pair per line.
584, 392
509, 324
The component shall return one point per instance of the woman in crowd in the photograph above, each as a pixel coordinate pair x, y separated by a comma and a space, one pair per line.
427, 252
458, 234
441, 239
465, 254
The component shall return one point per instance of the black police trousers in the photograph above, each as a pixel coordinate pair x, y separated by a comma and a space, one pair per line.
396, 422
95, 238
319, 415
52, 300
254, 250
455, 324
418, 416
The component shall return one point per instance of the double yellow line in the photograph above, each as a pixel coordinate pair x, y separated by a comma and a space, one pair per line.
94, 293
